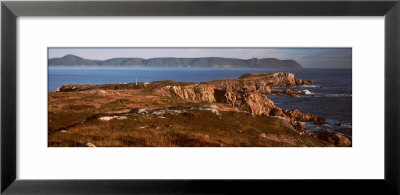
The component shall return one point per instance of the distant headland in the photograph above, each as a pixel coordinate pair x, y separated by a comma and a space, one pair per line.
203, 62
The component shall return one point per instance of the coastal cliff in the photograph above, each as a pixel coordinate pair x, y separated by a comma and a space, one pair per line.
244, 97
248, 94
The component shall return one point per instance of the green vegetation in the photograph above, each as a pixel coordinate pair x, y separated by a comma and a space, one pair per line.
206, 62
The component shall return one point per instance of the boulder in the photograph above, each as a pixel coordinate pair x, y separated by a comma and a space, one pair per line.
276, 112
291, 93
264, 89
275, 91
335, 138
296, 115
301, 129
300, 126
101, 92
88, 144
263, 135
257, 104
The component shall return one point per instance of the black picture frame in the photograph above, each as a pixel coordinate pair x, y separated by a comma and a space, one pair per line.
11, 10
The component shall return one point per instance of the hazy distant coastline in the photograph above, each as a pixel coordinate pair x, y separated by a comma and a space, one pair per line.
205, 62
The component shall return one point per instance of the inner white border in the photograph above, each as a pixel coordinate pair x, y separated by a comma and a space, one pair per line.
365, 160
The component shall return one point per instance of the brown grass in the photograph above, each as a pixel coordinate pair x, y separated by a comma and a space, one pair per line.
197, 128
159, 84
77, 113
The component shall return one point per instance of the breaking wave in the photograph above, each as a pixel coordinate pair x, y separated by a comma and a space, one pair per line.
310, 86
307, 92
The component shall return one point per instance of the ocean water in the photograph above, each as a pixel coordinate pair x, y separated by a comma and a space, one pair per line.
330, 97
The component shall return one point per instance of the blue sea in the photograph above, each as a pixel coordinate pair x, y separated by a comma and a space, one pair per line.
330, 97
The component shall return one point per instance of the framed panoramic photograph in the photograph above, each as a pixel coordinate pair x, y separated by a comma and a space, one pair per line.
200, 97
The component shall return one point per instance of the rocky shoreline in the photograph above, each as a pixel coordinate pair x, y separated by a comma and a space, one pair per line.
247, 94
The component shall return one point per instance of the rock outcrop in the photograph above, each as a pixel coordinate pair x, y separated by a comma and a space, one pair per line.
86, 87
335, 138
195, 92
246, 99
246, 93
291, 92
279, 79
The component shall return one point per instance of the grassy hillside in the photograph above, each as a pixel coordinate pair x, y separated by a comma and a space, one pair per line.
207, 62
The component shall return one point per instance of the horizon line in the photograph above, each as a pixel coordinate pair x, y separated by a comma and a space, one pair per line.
173, 57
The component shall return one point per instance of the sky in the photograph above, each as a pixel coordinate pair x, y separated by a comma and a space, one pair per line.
307, 57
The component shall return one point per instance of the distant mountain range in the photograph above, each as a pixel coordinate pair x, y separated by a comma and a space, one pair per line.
206, 62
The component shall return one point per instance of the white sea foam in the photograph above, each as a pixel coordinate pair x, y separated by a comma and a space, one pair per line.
307, 92
344, 125
338, 95
310, 86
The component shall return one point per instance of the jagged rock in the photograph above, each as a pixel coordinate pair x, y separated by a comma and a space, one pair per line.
277, 112
245, 98
296, 115
246, 93
189, 92
300, 126
275, 91
264, 89
335, 138
301, 129
308, 82
290, 92
263, 135
279, 79
278, 92
258, 104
